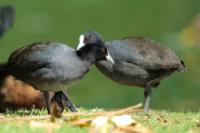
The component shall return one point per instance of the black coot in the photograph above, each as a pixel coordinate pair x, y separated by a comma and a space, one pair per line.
52, 66
138, 62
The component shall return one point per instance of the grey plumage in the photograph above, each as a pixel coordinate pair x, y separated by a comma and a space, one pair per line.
139, 58
52, 66
140, 62
41, 64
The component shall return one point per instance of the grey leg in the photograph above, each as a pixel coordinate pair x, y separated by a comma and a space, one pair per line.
69, 104
147, 96
46, 96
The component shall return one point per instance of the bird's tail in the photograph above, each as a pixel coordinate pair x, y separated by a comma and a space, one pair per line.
3, 73
181, 67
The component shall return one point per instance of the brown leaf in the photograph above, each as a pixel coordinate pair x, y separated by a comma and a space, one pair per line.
162, 119
136, 128
55, 112
82, 122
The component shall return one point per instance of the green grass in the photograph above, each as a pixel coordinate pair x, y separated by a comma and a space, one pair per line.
25, 112
157, 121
170, 122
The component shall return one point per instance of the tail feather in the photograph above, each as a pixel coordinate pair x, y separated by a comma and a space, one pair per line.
3, 73
181, 67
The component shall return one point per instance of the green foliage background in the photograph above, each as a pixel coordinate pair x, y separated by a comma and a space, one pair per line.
65, 20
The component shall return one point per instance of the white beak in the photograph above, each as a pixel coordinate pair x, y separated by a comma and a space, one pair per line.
109, 58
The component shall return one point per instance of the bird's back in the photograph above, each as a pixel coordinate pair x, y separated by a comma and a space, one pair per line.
138, 61
143, 52
47, 62
40, 53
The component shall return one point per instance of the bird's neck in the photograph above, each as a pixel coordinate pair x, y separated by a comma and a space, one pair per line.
105, 66
86, 57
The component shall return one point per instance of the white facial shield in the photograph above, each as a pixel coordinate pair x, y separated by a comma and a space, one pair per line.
81, 42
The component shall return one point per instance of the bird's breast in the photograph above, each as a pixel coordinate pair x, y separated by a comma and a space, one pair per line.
55, 86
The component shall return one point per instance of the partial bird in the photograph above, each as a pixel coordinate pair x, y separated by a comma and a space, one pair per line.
7, 15
52, 66
15, 94
139, 62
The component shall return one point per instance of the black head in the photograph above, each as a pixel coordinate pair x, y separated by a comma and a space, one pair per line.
94, 52
89, 37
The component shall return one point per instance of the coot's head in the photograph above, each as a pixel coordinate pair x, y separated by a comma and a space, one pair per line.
89, 37
91, 45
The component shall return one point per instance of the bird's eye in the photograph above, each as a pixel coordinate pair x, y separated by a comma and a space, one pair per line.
86, 39
104, 51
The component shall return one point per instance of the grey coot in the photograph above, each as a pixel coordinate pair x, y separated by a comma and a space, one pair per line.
7, 14
138, 62
52, 66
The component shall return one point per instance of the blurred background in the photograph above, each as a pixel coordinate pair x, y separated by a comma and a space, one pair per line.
173, 23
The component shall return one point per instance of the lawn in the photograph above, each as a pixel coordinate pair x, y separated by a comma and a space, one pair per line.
34, 120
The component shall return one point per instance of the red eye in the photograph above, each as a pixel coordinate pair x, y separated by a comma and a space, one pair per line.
104, 51
86, 39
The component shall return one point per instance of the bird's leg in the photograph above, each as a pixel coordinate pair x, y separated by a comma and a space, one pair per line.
147, 96
46, 96
57, 97
69, 104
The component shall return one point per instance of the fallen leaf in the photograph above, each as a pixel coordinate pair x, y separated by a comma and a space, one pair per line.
107, 127
55, 112
123, 120
82, 122
162, 119
137, 128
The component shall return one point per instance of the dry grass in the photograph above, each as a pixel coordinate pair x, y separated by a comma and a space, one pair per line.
80, 122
